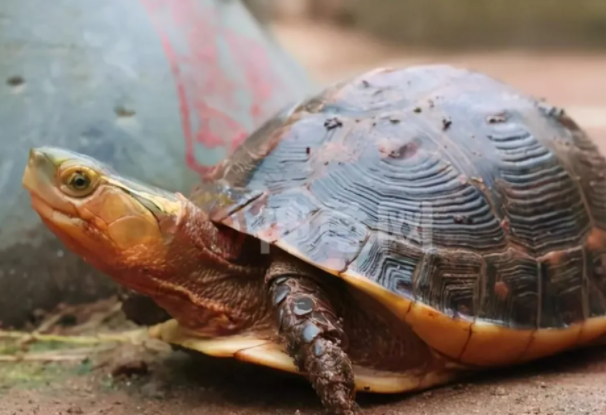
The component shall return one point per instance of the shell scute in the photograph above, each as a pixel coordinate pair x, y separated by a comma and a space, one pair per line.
496, 221
562, 296
389, 261
451, 283
511, 290
596, 282
273, 216
329, 239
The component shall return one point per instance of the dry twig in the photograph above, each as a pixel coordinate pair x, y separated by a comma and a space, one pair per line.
131, 336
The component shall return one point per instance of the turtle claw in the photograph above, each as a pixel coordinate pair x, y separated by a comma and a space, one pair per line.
331, 375
315, 339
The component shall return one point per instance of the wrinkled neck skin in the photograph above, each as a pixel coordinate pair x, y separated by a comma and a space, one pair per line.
202, 277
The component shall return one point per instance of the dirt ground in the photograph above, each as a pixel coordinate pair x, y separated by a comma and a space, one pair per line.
150, 378
161, 381
572, 385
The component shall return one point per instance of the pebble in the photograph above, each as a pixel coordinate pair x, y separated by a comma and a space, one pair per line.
499, 391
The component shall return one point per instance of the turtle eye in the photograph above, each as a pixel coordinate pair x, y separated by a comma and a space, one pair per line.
78, 182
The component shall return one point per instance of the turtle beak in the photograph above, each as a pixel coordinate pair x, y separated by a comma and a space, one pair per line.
39, 178
39, 171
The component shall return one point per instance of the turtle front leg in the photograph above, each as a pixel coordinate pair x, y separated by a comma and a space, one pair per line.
315, 338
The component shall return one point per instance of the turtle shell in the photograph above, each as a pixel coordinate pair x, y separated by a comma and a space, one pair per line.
475, 213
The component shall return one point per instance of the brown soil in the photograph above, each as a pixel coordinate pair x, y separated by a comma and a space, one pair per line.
171, 382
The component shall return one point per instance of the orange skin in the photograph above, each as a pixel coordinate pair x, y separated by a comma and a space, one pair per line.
147, 239
96, 220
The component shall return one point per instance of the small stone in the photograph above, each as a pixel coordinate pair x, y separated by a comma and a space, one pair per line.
154, 390
130, 368
499, 391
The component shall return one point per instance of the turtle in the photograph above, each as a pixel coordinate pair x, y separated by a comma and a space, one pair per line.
395, 231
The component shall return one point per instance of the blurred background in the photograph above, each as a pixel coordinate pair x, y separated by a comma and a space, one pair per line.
554, 49
164, 89
461, 24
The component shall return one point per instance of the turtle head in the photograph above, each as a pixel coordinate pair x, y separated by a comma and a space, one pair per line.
155, 242
117, 224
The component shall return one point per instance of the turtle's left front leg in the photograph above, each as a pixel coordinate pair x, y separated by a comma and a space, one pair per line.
315, 338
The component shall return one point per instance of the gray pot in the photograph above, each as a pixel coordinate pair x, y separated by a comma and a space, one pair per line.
159, 89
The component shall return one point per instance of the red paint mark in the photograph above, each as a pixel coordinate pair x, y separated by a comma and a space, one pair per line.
212, 66
257, 75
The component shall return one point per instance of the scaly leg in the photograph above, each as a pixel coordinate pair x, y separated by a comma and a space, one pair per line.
315, 338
